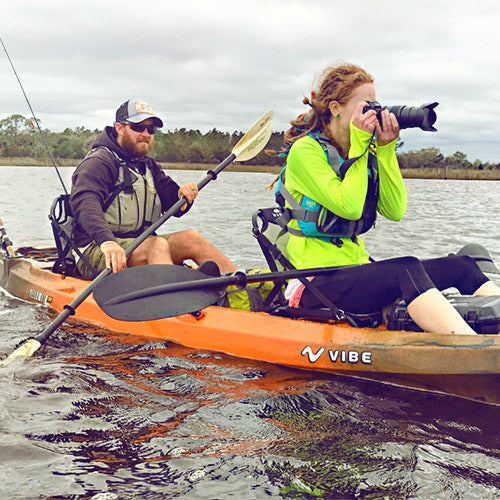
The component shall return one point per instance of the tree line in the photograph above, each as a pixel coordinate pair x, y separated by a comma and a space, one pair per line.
20, 138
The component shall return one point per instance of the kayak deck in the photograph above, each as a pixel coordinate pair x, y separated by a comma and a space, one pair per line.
464, 365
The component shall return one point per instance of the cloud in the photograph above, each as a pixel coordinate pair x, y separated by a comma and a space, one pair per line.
221, 63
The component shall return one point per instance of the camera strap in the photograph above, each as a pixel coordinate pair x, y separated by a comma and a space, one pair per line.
349, 161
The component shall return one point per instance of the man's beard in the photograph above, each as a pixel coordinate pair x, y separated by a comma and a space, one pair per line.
135, 149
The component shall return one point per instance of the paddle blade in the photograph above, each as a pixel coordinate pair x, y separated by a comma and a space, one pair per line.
115, 293
25, 350
254, 141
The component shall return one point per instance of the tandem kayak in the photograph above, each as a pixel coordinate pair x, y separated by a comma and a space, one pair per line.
462, 365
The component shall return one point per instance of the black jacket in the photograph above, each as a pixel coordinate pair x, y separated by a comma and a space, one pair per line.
94, 179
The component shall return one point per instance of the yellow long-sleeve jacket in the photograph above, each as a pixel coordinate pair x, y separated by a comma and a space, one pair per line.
308, 173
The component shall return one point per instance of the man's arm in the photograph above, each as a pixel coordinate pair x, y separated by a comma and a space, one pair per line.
91, 184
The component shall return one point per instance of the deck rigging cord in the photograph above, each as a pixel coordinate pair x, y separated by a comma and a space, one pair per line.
35, 119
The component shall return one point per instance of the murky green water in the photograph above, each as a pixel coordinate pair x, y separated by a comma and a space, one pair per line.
107, 416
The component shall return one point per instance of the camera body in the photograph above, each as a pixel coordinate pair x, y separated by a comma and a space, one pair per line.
422, 117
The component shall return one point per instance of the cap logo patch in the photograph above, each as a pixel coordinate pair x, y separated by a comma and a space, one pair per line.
143, 107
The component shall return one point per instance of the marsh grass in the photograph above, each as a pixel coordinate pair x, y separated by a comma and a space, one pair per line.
413, 173
451, 173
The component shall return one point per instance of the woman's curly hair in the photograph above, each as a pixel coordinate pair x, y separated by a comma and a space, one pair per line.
336, 83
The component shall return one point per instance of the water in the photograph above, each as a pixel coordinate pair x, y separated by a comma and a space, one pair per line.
104, 416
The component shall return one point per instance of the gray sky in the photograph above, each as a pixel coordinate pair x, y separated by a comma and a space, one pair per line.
222, 63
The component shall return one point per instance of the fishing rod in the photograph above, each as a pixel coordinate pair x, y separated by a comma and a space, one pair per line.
35, 119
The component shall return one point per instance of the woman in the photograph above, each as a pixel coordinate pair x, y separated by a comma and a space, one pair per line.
342, 168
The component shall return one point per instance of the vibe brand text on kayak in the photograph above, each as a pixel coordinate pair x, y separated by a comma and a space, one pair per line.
352, 357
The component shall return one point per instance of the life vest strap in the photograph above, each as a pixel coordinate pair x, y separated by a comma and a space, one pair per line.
125, 186
273, 254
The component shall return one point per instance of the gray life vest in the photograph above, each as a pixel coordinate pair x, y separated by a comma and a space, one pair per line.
134, 203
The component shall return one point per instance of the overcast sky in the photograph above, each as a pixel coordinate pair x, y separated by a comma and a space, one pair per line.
222, 63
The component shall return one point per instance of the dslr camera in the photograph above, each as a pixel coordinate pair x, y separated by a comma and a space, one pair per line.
422, 117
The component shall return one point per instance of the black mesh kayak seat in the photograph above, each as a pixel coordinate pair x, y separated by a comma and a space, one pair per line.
61, 220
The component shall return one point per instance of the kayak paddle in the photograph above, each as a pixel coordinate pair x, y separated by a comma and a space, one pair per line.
481, 256
247, 147
5, 243
161, 291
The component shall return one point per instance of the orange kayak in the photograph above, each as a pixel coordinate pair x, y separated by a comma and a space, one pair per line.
463, 365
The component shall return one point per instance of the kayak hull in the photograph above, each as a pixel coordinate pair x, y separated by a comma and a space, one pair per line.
463, 365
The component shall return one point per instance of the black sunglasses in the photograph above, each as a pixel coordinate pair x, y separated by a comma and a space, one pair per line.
141, 127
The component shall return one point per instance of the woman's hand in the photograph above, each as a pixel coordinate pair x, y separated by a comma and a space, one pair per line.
369, 122
364, 121
389, 130
188, 191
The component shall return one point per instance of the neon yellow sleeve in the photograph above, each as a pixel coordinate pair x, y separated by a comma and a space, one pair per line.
392, 199
309, 173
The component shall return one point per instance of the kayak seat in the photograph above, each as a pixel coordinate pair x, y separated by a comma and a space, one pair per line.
61, 220
269, 227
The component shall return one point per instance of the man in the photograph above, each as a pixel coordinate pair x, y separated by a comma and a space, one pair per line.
118, 190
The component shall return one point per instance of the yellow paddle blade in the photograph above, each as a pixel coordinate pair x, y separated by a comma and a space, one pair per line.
4, 240
253, 142
25, 350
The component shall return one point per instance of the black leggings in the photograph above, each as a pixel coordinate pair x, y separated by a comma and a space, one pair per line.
370, 287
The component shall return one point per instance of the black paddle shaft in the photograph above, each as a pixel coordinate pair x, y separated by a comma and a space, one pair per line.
245, 149
161, 291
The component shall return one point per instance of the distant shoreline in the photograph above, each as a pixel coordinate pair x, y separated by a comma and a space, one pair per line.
416, 173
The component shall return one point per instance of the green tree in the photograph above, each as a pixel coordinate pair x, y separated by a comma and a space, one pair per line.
15, 125
423, 158
20, 139
457, 160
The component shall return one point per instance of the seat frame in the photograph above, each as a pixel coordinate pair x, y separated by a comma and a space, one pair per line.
269, 227
61, 221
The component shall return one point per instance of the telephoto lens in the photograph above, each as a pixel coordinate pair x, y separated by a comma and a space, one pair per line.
422, 117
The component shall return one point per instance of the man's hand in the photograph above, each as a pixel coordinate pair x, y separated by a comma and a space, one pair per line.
114, 254
188, 191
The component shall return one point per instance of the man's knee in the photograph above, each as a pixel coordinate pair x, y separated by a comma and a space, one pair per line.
189, 239
192, 235
152, 246
157, 243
